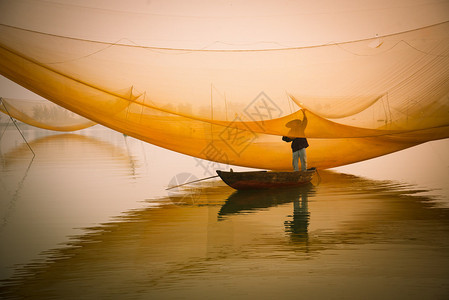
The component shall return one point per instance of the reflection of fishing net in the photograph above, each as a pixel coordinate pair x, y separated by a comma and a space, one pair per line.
44, 114
232, 106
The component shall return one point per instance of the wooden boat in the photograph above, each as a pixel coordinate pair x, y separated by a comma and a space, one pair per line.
265, 179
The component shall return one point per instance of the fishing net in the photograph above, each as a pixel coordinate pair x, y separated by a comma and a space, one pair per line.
362, 99
44, 114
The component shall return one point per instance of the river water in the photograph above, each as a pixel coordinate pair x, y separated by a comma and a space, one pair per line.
89, 217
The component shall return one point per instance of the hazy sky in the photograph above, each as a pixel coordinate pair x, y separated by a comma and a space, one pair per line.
199, 23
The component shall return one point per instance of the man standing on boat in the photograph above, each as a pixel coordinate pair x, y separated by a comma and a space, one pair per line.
299, 144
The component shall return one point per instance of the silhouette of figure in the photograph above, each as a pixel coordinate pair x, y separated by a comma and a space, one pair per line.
299, 145
298, 226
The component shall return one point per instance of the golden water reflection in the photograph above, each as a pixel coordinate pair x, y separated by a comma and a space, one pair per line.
244, 202
345, 237
74, 180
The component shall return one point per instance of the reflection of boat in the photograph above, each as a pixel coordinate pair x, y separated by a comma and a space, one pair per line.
264, 179
253, 200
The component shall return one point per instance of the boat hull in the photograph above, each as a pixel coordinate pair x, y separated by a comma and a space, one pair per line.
265, 180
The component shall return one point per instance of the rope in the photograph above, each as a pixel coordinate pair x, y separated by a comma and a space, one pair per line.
109, 44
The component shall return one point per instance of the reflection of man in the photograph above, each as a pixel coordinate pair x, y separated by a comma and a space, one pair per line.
301, 214
298, 227
299, 145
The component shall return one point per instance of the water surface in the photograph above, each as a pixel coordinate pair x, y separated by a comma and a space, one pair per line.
89, 217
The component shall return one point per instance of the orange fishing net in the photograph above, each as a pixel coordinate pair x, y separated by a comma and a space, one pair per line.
44, 114
362, 99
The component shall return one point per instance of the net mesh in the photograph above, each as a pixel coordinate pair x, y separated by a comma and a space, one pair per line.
362, 99
44, 114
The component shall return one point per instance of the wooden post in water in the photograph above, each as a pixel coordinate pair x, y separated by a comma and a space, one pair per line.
14, 121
